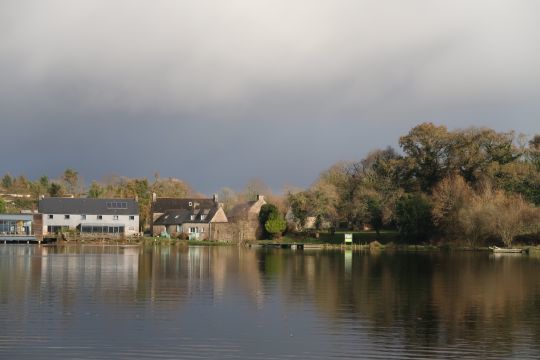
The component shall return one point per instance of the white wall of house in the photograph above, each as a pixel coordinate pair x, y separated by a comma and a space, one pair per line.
130, 222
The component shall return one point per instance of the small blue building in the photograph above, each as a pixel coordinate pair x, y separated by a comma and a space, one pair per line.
16, 227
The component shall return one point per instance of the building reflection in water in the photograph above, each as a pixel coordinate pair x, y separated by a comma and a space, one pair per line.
425, 299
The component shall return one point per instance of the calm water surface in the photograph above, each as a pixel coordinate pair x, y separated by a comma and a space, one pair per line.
92, 302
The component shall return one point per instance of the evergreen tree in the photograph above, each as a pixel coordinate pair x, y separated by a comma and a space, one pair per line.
275, 225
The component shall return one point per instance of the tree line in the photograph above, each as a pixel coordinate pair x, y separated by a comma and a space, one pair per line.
470, 186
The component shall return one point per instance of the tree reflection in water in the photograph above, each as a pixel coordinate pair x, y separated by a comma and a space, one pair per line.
418, 300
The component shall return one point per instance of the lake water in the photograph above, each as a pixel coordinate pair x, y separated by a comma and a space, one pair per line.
93, 302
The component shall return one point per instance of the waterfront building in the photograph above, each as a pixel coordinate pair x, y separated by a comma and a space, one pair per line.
111, 217
17, 227
194, 217
245, 217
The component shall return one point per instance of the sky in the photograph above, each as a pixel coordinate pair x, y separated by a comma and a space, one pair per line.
221, 92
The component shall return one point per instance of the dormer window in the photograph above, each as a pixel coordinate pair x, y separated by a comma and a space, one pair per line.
116, 205
203, 216
192, 217
190, 203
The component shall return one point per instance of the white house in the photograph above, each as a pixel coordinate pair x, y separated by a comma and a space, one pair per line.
105, 216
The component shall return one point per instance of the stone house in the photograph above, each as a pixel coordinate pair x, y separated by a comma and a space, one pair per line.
195, 217
245, 219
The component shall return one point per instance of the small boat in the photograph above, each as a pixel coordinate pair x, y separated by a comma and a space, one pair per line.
498, 250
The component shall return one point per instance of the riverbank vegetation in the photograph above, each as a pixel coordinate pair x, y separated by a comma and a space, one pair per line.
469, 186
462, 187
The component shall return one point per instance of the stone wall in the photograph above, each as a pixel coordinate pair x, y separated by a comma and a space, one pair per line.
239, 231
255, 209
244, 223
219, 216
156, 229
223, 232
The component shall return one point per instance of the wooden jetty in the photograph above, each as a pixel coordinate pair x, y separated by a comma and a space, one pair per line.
292, 246
306, 246
18, 239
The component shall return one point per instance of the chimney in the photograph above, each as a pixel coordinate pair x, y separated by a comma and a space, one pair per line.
260, 197
136, 198
215, 197
154, 197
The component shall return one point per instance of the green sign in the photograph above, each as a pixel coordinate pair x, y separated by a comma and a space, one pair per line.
348, 238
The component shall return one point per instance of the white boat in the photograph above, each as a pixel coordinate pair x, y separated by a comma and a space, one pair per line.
498, 250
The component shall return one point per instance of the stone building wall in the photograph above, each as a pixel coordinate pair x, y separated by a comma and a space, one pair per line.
223, 232
239, 231
156, 229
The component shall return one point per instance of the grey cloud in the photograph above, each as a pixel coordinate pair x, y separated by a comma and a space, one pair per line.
217, 92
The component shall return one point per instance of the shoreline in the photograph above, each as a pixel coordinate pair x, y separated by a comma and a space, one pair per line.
265, 244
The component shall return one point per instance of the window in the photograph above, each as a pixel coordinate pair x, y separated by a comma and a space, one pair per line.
190, 203
50, 216
56, 229
66, 217
202, 229
102, 229
131, 217
203, 216
100, 217
83, 217
193, 230
116, 205
192, 217
115, 217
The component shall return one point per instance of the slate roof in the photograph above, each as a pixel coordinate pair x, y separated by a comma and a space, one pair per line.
57, 205
182, 216
23, 217
241, 209
163, 204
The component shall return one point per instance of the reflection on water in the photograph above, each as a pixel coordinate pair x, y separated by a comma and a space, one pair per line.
229, 302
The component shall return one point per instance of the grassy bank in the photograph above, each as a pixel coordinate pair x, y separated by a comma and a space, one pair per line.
337, 238
387, 240
165, 241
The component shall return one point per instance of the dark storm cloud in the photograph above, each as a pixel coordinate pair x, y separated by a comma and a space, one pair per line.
218, 92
